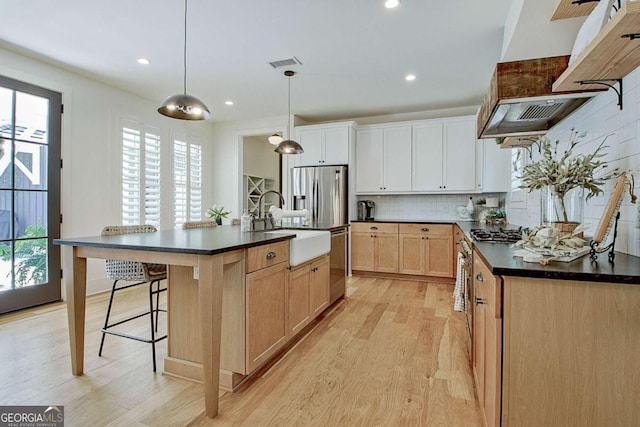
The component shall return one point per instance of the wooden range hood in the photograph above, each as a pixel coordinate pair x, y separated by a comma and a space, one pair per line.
520, 100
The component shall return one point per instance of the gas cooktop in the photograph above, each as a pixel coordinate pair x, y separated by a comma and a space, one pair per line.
496, 236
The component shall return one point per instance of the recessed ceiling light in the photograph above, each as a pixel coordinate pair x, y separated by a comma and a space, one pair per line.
390, 4
144, 61
410, 77
228, 102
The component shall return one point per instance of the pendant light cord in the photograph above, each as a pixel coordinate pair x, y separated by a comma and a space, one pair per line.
184, 58
289, 115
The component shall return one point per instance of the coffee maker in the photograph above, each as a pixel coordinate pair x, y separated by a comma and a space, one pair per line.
366, 210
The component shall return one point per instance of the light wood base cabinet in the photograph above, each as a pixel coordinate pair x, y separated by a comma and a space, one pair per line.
487, 341
308, 293
374, 247
555, 352
426, 249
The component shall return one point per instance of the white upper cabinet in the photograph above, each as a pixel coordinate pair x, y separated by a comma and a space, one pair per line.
369, 161
493, 167
444, 157
324, 144
459, 160
427, 157
383, 160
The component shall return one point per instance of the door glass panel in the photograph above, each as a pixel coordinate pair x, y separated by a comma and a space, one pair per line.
29, 169
32, 115
5, 266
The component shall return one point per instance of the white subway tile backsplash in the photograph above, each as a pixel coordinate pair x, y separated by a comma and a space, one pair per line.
601, 117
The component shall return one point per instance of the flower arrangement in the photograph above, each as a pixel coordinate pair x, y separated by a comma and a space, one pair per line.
217, 212
545, 237
567, 172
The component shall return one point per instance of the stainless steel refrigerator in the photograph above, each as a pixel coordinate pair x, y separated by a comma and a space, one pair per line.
323, 191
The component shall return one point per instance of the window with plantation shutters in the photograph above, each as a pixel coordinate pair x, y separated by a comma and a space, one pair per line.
141, 161
187, 181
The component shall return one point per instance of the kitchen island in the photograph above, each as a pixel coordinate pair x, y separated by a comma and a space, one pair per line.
213, 257
555, 345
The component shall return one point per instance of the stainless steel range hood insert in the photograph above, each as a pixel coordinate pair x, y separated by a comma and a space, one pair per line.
520, 100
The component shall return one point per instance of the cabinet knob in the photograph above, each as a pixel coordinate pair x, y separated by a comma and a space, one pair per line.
426, 237
425, 229
479, 277
271, 255
479, 301
374, 228
439, 186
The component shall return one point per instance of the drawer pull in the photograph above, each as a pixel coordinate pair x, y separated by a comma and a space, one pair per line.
374, 228
425, 229
480, 301
479, 277
271, 255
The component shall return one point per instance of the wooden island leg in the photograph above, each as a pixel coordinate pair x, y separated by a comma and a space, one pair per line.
75, 283
210, 295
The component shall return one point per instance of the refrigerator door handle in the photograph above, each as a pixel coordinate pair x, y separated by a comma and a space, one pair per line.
316, 201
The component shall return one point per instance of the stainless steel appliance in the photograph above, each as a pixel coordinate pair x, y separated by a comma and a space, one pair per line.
338, 264
323, 191
366, 210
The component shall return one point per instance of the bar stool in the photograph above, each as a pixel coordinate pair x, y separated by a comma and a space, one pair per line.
141, 273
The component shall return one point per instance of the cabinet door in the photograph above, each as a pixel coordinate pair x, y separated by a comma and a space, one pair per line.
439, 256
311, 142
299, 287
412, 254
336, 146
386, 253
266, 308
459, 155
369, 170
427, 157
319, 289
397, 159
362, 249
496, 171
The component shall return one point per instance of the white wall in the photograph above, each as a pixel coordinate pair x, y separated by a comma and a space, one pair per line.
260, 159
601, 117
91, 146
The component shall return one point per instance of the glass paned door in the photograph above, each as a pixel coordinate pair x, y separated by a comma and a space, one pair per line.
29, 195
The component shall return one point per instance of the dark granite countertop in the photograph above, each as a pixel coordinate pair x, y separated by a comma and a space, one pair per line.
407, 221
499, 258
201, 241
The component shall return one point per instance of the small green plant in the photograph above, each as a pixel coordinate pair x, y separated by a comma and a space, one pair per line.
217, 212
30, 257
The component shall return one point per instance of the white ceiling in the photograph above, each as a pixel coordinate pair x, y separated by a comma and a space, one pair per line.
355, 53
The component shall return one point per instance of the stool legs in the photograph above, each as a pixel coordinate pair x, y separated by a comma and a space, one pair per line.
106, 320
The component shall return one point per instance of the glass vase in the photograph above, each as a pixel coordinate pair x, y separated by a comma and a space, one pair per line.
562, 211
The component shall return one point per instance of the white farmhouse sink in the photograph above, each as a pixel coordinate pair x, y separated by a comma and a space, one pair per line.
307, 245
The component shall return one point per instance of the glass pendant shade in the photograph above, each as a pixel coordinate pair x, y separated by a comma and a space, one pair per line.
289, 146
275, 139
184, 107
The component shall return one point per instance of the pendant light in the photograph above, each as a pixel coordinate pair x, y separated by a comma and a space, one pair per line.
184, 106
289, 146
275, 139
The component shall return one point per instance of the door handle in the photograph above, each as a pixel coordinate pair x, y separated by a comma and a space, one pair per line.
480, 301
271, 255
425, 229
374, 228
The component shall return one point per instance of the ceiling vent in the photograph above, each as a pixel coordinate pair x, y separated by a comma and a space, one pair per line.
285, 62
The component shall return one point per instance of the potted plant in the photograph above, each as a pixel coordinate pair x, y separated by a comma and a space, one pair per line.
563, 179
217, 212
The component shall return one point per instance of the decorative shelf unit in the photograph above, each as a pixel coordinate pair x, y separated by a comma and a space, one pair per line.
569, 9
613, 54
254, 186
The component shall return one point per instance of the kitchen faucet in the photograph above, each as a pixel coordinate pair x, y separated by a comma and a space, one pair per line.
267, 216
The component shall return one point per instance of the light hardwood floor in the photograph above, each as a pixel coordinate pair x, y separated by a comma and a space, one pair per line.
392, 354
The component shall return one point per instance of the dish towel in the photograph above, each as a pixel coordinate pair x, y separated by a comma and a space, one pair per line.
458, 290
